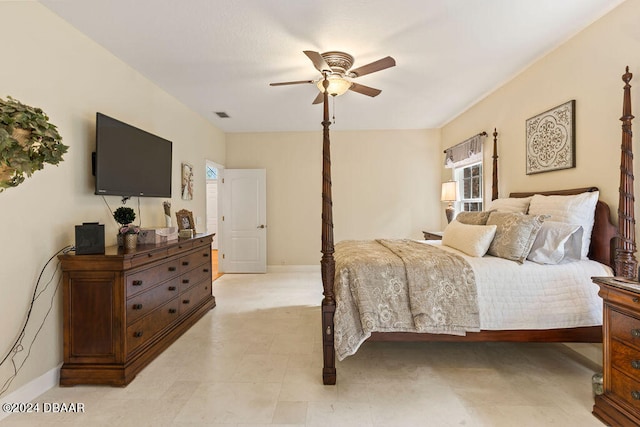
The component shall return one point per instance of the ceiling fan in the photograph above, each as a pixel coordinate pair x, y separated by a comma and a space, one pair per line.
337, 67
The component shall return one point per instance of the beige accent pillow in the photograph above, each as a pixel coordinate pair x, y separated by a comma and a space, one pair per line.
578, 210
473, 240
515, 233
510, 204
473, 218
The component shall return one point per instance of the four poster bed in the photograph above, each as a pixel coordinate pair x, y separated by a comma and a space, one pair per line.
340, 308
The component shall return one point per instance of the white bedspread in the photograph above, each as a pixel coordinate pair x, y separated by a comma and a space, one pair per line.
509, 295
534, 296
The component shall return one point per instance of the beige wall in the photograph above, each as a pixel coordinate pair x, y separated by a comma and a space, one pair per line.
47, 63
385, 184
587, 68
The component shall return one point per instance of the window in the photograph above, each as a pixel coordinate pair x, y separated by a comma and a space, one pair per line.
212, 173
470, 187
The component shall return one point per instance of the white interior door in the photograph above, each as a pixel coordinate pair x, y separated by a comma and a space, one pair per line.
243, 221
212, 172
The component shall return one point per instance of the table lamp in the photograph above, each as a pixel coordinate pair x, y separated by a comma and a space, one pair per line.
450, 195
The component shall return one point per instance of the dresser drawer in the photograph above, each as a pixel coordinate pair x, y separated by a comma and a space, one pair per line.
194, 276
181, 247
146, 279
145, 302
624, 328
195, 258
623, 298
148, 257
625, 388
147, 327
194, 296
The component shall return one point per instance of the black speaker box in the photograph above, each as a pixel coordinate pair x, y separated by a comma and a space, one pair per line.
89, 238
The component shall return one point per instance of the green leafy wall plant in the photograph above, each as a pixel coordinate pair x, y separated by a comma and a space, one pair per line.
27, 142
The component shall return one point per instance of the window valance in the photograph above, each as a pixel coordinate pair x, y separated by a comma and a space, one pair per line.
465, 153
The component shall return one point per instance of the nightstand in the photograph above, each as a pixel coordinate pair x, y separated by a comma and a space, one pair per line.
619, 405
433, 235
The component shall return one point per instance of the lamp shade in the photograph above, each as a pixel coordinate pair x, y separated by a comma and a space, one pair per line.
337, 85
449, 191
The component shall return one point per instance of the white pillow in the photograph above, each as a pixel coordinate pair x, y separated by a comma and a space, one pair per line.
511, 204
557, 242
579, 210
473, 240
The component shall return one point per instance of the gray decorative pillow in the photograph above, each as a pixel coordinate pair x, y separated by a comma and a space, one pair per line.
515, 234
473, 218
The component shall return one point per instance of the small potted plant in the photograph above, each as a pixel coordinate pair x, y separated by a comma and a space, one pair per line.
127, 231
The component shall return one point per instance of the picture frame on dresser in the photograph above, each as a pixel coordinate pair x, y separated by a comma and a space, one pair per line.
185, 220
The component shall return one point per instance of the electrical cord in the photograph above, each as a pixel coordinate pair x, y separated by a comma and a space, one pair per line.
123, 201
17, 346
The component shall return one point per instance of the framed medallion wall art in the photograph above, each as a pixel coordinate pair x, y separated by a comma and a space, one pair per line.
551, 139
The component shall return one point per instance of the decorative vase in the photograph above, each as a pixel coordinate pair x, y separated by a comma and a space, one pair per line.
130, 241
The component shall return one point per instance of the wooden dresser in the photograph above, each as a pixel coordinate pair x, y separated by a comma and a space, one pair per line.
123, 308
620, 403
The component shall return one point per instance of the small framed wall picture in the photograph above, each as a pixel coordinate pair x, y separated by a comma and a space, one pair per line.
187, 181
551, 139
185, 220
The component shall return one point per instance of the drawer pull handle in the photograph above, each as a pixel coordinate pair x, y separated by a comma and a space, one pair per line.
137, 306
149, 255
206, 255
137, 283
172, 269
172, 311
185, 280
635, 364
205, 270
635, 394
137, 334
635, 333
172, 288
185, 262
635, 299
186, 301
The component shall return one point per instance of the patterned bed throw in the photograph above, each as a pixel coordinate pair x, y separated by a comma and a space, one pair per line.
400, 286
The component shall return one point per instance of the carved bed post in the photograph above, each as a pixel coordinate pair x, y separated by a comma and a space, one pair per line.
626, 264
327, 263
494, 185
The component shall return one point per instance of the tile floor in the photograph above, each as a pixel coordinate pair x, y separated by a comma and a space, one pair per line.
255, 360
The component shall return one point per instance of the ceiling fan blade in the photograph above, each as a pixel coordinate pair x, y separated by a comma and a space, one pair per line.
365, 90
319, 99
318, 61
291, 83
378, 65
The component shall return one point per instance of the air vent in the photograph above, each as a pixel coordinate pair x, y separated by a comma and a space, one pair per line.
222, 114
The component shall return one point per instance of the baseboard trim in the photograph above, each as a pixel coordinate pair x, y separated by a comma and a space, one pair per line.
32, 389
293, 268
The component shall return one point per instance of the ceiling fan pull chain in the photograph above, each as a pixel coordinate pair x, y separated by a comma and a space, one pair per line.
334, 109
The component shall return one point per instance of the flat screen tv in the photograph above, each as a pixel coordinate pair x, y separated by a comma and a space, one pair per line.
129, 161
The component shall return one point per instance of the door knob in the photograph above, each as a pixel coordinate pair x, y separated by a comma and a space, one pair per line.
261, 226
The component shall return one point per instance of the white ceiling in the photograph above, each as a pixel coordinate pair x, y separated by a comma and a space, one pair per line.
221, 55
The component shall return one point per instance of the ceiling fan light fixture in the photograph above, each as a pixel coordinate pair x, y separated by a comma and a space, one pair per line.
337, 85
